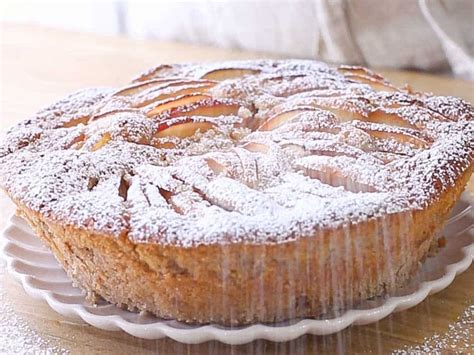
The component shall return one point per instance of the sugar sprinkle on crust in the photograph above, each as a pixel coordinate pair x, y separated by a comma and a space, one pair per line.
252, 151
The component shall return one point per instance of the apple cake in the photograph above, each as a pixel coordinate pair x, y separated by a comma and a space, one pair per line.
241, 192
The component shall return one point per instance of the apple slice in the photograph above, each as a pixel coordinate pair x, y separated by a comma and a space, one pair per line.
366, 76
161, 70
176, 89
228, 73
77, 142
341, 114
177, 102
144, 85
102, 142
215, 166
357, 70
376, 84
164, 145
105, 113
207, 108
256, 147
76, 121
280, 118
391, 119
400, 137
182, 129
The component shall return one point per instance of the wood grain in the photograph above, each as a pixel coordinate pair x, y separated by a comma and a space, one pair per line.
39, 65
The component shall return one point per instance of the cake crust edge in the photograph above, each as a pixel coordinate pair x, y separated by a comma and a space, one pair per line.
239, 284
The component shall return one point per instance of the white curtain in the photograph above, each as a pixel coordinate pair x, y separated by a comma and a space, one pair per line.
433, 35
430, 35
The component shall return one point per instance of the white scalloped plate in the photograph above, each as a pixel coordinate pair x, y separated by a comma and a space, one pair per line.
40, 274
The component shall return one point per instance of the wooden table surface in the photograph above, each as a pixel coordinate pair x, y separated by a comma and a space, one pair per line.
40, 65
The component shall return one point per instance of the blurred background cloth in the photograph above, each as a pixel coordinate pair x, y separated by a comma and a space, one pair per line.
430, 35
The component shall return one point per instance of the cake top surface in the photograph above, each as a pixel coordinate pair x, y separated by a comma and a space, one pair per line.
249, 151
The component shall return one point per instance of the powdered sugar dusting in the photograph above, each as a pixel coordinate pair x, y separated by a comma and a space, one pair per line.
16, 336
457, 340
253, 151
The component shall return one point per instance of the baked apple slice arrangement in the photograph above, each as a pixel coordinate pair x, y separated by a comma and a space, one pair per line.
180, 107
184, 106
